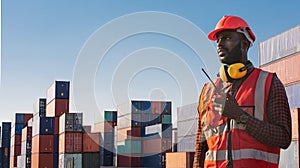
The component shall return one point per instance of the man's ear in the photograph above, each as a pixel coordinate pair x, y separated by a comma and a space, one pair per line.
245, 44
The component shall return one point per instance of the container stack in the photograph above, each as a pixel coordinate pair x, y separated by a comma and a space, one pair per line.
187, 122
281, 54
43, 143
179, 159
5, 144
144, 133
90, 148
70, 140
24, 160
20, 121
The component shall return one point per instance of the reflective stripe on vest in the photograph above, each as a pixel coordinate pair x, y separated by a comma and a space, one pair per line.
260, 95
243, 154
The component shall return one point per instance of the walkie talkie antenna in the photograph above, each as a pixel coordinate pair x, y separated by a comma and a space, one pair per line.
211, 80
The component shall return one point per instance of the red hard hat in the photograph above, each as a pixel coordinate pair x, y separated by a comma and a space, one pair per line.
230, 23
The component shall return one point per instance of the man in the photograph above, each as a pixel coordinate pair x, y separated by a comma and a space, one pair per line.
244, 117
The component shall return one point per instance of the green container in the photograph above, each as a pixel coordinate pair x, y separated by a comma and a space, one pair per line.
166, 119
110, 116
133, 146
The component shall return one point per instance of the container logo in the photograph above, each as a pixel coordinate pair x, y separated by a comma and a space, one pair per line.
147, 55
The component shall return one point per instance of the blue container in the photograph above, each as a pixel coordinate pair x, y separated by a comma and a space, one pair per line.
55, 160
46, 125
146, 106
166, 107
167, 130
56, 143
1, 156
155, 160
19, 118
6, 142
18, 128
136, 106
6, 127
62, 89
5, 157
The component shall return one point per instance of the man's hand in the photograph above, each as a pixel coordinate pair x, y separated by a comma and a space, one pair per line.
227, 106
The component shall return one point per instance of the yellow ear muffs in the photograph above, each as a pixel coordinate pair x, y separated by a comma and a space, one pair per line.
234, 71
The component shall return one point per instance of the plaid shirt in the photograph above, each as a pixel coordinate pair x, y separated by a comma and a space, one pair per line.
276, 132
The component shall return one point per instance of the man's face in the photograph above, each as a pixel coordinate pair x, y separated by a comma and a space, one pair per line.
229, 46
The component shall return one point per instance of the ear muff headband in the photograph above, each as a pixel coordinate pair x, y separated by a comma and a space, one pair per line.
234, 71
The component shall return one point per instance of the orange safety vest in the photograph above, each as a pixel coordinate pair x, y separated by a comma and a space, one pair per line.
246, 151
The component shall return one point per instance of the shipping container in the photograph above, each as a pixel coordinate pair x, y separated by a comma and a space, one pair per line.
29, 124
58, 90
70, 142
187, 127
141, 106
55, 160
293, 94
110, 116
42, 125
106, 157
156, 107
290, 157
91, 142
27, 117
70, 160
129, 133
6, 157
16, 140
26, 148
91, 160
15, 150
17, 129
164, 130
107, 138
166, 119
166, 107
19, 118
41, 160
279, 46
57, 107
104, 127
295, 123
1, 157
70, 122
87, 128
21, 161
56, 125
6, 131
130, 147
26, 134
13, 161
186, 143
39, 108
179, 159
187, 112
286, 69
42, 144
56, 144
155, 160
128, 161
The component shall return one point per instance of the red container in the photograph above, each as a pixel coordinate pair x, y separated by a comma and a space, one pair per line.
16, 140
39, 160
179, 159
287, 69
57, 107
70, 142
87, 128
128, 161
91, 142
56, 125
27, 117
42, 144
156, 107
13, 161
26, 134
295, 123
15, 150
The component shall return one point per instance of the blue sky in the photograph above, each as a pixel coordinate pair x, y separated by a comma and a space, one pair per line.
43, 40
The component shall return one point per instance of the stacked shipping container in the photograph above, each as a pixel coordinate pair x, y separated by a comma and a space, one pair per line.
5, 144
144, 133
281, 54
20, 121
24, 160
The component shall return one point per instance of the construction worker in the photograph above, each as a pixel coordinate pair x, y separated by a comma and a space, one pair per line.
244, 117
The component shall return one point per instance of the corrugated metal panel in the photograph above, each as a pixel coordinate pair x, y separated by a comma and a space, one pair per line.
156, 107
70, 122
91, 160
70, 142
187, 112
58, 90
43, 144
70, 160
91, 142
290, 156
186, 144
57, 107
279, 46
187, 127
42, 160
128, 161
293, 94
179, 159
286, 69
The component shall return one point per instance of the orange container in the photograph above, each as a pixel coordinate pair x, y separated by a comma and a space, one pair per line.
13, 161
57, 107
158, 145
129, 133
39, 160
42, 144
91, 142
287, 69
70, 142
295, 123
104, 127
179, 159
